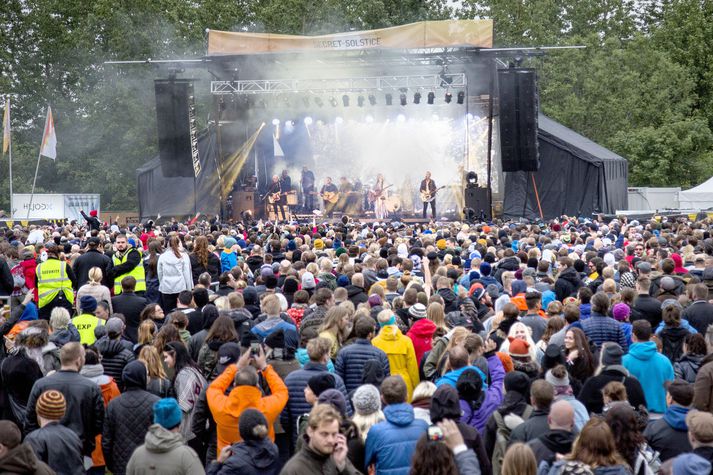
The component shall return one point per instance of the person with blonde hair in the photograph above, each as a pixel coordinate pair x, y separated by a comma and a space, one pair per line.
336, 327
519, 460
421, 400
367, 408
157, 381
94, 288
435, 361
63, 330
399, 350
521, 331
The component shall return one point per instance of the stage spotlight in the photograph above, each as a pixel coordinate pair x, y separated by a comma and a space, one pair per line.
360, 101
401, 118
431, 97
449, 97
372, 99
333, 101
308, 120
345, 100
389, 99
417, 98
339, 120
471, 178
469, 116
318, 101
461, 97
402, 97
369, 119
275, 121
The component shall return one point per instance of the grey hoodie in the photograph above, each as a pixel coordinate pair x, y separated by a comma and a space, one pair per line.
164, 453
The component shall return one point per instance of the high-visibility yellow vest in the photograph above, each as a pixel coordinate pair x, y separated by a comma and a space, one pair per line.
86, 323
51, 280
137, 273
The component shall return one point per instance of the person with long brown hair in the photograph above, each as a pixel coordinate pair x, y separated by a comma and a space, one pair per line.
580, 362
174, 273
222, 331
202, 260
157, 381
519, 460
630, 442
151, 269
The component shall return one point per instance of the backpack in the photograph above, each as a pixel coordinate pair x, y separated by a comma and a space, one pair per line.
502, 437
648, 461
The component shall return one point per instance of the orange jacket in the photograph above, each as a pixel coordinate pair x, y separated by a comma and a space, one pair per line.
226, 410
109, 391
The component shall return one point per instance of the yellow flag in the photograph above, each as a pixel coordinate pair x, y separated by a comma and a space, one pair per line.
6, 127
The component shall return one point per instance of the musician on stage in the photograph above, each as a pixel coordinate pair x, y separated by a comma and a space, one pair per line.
308, 183
379, 198
276, 196
429, 186
328, 188
285, 182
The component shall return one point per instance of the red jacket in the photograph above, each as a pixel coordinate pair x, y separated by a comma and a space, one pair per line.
28, 269
421, 333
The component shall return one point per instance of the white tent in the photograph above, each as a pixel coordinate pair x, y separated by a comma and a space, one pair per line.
700, 197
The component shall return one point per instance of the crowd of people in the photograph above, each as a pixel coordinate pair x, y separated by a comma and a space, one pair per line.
574, 346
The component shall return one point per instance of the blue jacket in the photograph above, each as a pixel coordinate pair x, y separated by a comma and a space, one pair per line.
228, 260
266, 327
451, 377
585, 311
390, 444
297, 406
600, 329
303, 358
652, 369
352, 358
684, 324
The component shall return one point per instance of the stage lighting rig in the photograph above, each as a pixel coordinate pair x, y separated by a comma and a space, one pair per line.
449, 97
372, 99
402, 97
360, 101
431, 98
461, 97
333, 101
389, 99
345, 100
417, 98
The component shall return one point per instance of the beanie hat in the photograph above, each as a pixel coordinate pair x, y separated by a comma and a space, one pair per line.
228, 353
518, 347
308, 281
321, 382
114, 327
690, 464
366, 400
445, 404
485, 269
441, 244
621, 312
612, 354
87, 303
374, 300
276, 339
51, 405
417, 310
667, 283
229, 242
318, 244
290, 286
167, 413
553, 356
554, 381
248, 420
681, 392
334, 398
518, 382
134, 375
342, 281
700, 425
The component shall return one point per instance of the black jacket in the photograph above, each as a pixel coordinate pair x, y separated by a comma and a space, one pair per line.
18, 373
213, 267
532, 428
130, 305
699, 314
472, 439
672, 342
249, 458
567, 283
687, 366
450, 299
591, 393
91, 258
128, 418
670, 442
7, 283
59, 447
548, 445
647, 308
509, 264
356, 294
85, 405
115, 355
513, 403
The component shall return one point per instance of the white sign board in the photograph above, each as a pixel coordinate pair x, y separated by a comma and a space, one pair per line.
53, 206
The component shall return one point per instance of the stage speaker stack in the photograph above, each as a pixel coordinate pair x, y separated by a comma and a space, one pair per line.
518, 119
174, 103
243, 201
476, 198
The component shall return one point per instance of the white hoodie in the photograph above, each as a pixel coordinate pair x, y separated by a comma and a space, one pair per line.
174, 274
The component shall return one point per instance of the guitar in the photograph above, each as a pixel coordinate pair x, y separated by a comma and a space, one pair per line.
273, 198
373, 195
330, 196
427, 197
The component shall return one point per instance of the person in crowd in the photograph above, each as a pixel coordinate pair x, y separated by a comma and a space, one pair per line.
421, 400
649, 366
669, 434
116, 352
568, 280
645, 306
85, 406
274, 321
184, 304
700, 312
63, 330
246, 394
174, 273
157, 382
18, 457
399, 350
221, 332
422, 329
210, 315
533, 319
694, 350
187, 382
700, 433
557, 441
54, 444
352, 358
130, 305
202, 260
336, 327
579, 359
128, 418
601, 328
703, 387
541, 396
95, 288
163, 451
86, 322
444, 452
672, 332
630, 442
127, 260
519, 459
456, 364
366, 401
53, 291
559, 379
91, 258
391, 443
34, 341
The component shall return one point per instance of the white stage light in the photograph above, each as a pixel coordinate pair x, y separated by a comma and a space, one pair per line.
401, 118
308, 120
275, 121
369, 119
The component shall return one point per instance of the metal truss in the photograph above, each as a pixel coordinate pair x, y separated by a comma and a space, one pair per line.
358, 84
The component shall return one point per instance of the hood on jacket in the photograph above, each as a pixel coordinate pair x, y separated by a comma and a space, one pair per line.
558, 441
509, 264
250, 295
353, 290
109, 348
390, 333
675, 416
423, 328
399, 414
21, 459
643, 351
262, 453
161, 440
513, 401
570, 275
134, 375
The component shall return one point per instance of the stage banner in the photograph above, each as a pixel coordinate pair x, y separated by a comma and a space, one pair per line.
425, 34
54, 206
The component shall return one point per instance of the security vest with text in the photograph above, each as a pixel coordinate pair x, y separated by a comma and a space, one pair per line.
86, 324
51, 280
137, 272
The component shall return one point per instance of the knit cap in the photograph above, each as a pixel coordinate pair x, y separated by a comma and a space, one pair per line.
308, 281
621, 312
518, 382
249, 419
336, 399
87, 303
167, 413
321, 382
417, 310
51, 405
519, 347
554, 381
612, 354
366, 399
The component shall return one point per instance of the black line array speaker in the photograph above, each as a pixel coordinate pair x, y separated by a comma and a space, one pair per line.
518, 119
173, 100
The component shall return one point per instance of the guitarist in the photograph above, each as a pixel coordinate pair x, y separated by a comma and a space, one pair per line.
330, 188
429, 186
276, 197
379, 198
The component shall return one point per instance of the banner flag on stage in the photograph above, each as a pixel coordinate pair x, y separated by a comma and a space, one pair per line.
49, 139
6, 127
278, 149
